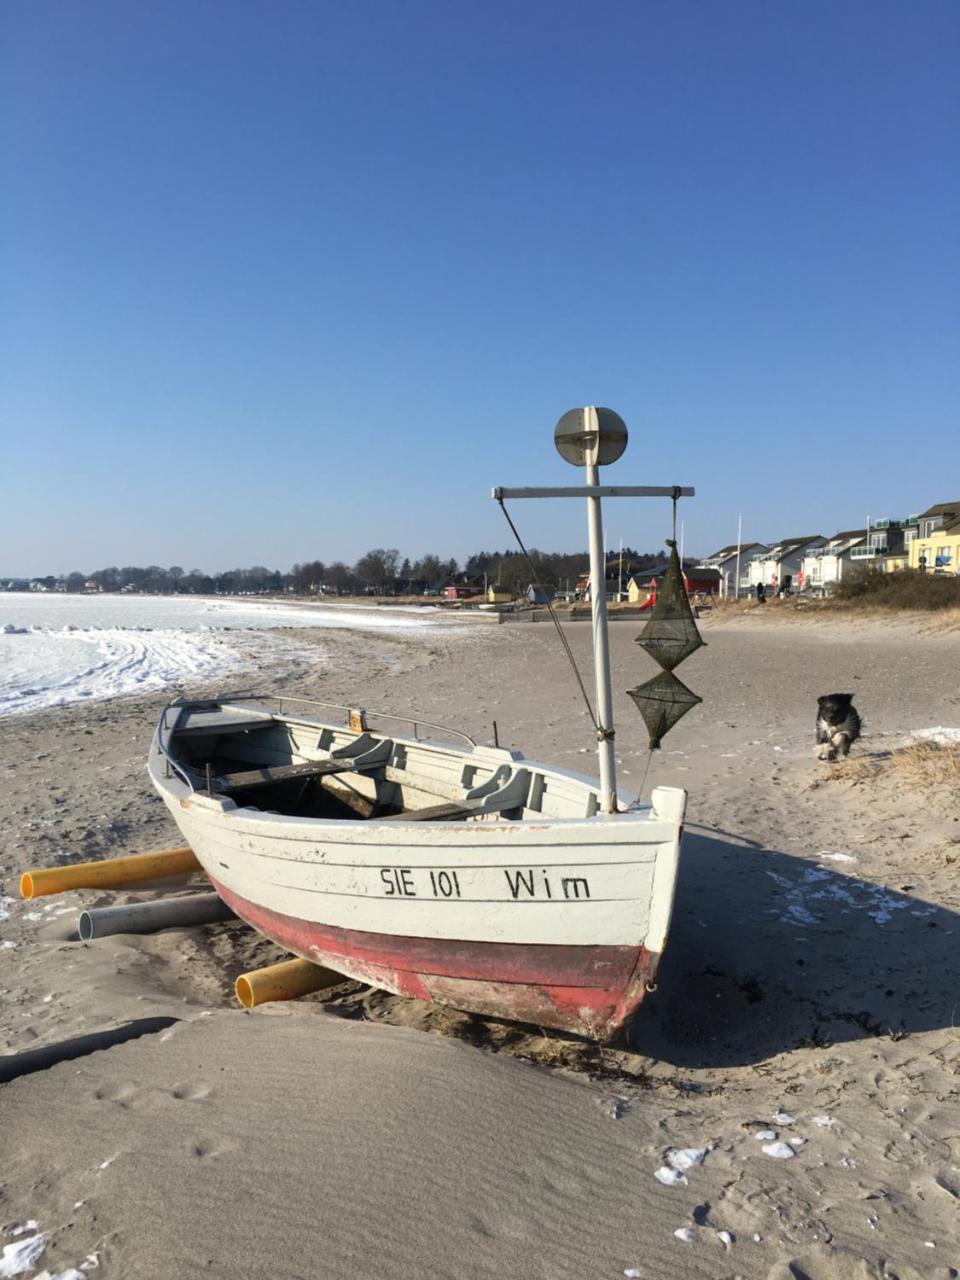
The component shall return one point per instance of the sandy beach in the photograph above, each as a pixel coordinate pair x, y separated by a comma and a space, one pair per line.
801, 1044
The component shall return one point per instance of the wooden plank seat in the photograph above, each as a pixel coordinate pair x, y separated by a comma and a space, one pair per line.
285, 772
450, 811
360, 756
506, 789
434, 813
200, 723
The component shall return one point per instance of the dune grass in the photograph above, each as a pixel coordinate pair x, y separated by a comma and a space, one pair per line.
919, 766
907, 589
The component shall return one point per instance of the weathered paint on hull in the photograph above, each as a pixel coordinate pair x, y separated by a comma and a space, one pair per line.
588, 990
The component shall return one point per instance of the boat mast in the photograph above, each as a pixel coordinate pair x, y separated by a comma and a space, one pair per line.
591, 438
601, 646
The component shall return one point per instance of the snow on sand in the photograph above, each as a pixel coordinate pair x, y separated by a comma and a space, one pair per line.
57, 650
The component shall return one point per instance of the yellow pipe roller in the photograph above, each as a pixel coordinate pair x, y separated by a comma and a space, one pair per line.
111, 873
284, 981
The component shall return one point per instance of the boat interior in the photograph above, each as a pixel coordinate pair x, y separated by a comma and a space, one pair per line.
278, 756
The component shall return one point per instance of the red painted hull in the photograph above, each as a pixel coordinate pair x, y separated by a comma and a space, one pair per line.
590, 991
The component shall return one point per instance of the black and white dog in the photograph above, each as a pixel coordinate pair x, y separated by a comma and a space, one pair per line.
838, 725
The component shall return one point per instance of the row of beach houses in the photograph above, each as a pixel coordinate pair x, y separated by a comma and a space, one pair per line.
929, 542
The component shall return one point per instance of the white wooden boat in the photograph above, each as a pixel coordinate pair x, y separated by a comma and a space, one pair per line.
442, 870
427, 867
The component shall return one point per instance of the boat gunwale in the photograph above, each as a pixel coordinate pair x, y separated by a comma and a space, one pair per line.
634, 808
244, 701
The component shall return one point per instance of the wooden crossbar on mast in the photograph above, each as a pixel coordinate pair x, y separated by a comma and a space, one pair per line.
599, 491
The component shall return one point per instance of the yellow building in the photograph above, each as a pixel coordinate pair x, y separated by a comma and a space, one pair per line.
498, 595
639, 590
936, 548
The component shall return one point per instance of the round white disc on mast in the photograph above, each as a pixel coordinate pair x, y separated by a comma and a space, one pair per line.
590, 436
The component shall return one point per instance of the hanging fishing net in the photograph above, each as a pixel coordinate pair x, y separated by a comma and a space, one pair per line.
671, 633
662, 701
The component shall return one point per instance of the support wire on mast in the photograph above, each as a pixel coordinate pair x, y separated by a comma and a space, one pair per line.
534, 578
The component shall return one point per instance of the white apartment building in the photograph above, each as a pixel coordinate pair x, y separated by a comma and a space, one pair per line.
780, 564
725, 562
825, 565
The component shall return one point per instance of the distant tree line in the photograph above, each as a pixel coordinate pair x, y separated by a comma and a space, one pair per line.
379, 572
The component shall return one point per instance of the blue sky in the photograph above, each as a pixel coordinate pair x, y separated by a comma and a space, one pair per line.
290, 280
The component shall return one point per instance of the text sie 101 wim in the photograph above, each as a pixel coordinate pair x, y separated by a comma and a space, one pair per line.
404, 882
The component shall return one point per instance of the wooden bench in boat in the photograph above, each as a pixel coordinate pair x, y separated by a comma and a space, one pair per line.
360, 756
442, 812
199, 723
506, 789
285, 772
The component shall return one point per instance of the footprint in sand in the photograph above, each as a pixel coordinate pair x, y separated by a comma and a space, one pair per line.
512, 1226
190, 1091
833, 1263
209, 1148
122, 1094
